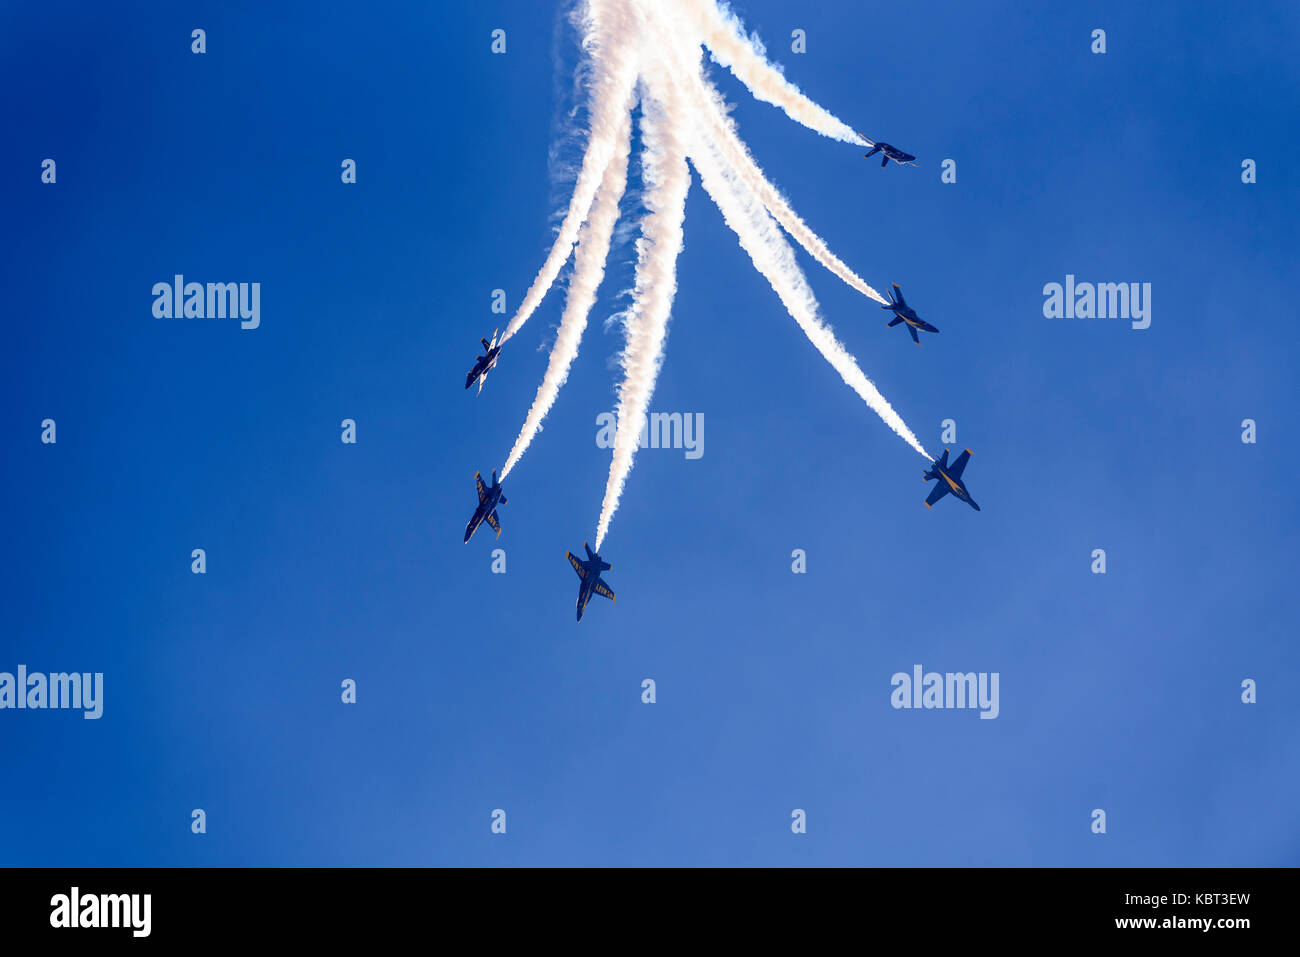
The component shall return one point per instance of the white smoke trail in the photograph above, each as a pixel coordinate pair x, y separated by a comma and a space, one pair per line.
608, 27
588, 272
723, 33
703, 98
666, 181
773, 257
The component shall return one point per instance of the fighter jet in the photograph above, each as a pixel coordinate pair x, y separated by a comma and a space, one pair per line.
589, 571
905, 313
484, 364
950, 479
488, 500
891, 153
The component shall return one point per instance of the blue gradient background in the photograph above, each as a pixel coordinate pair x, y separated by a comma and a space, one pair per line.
478, 691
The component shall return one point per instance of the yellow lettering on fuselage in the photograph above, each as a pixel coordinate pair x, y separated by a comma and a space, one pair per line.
950, 482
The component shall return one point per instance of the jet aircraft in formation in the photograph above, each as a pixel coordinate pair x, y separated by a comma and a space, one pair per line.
591, 583
890, 153
949, 477
905, 313
489, 497
484, 364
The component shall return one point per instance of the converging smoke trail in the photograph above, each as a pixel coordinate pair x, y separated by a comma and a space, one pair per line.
608, 26
667, 180
773, 257
709, 104
588, 272
722, 32
683, 115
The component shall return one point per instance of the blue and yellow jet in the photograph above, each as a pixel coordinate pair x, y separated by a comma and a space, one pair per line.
890, 153
905, 313
484, 363
489, 497
589, 571
949, 477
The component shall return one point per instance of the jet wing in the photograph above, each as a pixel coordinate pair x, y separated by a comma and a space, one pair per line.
936, 493
482, 489
577, 565
494, 522
959, 465
603, 590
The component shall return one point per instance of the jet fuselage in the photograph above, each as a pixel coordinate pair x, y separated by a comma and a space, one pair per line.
489, 498
589, 572
955, 486
484, 364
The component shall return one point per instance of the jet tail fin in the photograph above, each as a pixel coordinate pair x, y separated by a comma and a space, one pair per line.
604, 565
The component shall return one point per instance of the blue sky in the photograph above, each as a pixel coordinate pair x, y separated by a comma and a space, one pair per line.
478, 691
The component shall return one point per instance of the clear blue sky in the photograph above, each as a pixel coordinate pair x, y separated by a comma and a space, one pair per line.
478, 691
